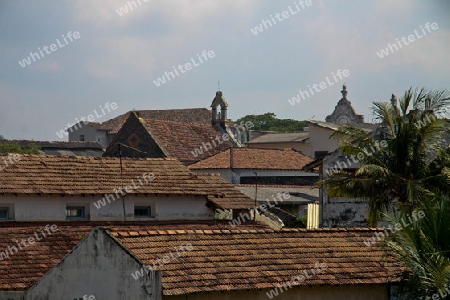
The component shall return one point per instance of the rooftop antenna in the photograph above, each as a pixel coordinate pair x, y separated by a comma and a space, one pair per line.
121, 174
121, 181
256, 196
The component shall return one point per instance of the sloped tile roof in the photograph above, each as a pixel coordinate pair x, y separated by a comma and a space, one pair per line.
253, 158
187, 142
24, 268
298, 194
281, 137
222, 260
188, 115
64, 175
233, 199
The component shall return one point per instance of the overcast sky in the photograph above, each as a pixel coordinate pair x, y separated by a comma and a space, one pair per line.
117, 58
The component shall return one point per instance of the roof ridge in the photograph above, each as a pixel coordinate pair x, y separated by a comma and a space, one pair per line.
132, 233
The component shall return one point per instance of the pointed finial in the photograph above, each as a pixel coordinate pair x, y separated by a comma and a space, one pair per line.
394, 100
344, 92
218, 83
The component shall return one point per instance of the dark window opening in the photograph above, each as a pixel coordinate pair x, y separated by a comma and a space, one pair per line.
320, 154
142, 212
74, 212
4, 213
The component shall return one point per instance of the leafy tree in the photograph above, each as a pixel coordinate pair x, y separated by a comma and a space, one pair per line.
424, 248
7, 147
414, 163
269, 122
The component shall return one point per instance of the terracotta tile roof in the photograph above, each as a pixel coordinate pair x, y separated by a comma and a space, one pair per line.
253, 158
281, 137
182, 140
233, 198
298, 194
28, 265
64, 175
188, 115
255, 258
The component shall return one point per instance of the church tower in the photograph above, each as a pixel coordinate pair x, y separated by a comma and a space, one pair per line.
219, 117
344, 112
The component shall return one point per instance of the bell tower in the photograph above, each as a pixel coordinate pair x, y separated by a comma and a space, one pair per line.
219, 117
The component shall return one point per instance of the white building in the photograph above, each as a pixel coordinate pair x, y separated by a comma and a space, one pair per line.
60, 188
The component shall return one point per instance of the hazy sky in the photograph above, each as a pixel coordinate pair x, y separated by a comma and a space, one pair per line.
117, 58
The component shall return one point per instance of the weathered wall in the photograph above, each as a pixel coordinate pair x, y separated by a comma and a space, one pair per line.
319, 138
341, 212
53, 208
354, 292
97, 266
227, 174
6, 295
135, 135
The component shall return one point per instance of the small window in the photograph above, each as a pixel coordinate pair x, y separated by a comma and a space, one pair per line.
142, 211
82, 137
98, 140
75, 212
4, 213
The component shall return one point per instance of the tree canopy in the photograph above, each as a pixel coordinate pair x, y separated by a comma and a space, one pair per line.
269, 122
414, 162
408, 176
11, 147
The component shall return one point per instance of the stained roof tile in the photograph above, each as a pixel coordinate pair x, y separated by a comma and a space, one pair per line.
253, 158
64, 175
189, 115
37, 259
187, 142
251, 259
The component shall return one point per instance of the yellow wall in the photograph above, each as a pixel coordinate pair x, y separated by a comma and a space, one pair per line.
356, 292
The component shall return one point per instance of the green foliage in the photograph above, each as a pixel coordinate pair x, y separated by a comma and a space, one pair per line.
413, 161
16, 148
298, 223
303, 221
424, 247
269, 122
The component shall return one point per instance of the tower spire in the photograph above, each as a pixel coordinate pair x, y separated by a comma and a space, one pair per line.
344, 92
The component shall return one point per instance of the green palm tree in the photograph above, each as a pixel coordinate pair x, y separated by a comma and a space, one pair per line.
424, 249
401, 161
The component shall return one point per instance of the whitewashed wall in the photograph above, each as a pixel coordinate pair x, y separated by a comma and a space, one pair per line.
320, 140
97, 266
339, 211
53, 208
